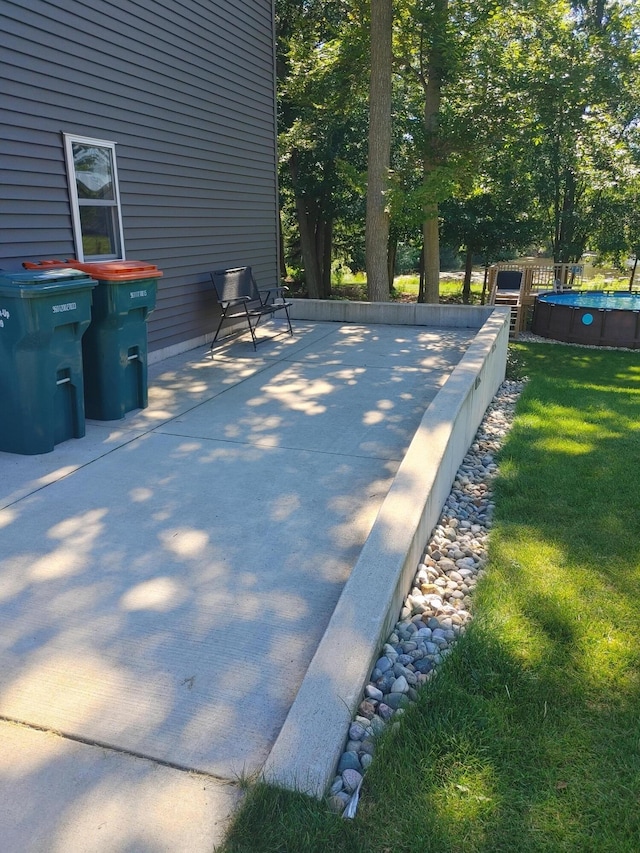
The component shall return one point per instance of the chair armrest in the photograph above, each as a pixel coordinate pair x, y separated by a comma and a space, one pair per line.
269, 290
238, 300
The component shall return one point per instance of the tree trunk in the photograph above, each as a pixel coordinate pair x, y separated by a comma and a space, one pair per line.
633, 272
377, 224
466, 285
392, 253
567, 218
308, 247
283, 262
557, 200
421, 284
433, 91
327, 251
307, 225
483, 297
431, 256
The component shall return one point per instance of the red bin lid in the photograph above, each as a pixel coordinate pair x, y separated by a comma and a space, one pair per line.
50, 264
103, 270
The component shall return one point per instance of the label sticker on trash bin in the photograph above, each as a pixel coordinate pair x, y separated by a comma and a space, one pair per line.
4, 315
134, 293
67, 306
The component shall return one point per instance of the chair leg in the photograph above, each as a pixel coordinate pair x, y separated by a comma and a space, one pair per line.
252, 329
215, 337
286, 311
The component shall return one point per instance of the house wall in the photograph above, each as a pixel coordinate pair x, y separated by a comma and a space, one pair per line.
186, 89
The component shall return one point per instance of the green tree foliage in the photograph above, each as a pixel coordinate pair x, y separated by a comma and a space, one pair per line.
322, 123
488, 225
571, 70
510, 117
435, 156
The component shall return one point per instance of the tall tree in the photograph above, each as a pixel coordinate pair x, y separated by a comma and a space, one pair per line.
433, 70
321, 113
575, 64
426, 55
377, 223
435, 48
554, 83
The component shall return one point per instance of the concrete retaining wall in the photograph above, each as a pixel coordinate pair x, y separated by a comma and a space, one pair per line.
392, 313
311, 741
338, 311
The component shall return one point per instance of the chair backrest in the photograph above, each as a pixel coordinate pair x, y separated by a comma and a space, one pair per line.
235, 283
509, 280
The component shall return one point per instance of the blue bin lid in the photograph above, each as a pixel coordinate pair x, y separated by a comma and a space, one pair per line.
38, 283
59, 275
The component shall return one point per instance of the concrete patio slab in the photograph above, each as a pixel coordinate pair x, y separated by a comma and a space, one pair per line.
348, 411
60, 796
24, 475
166, 582
308, 747
387, 347
176, 385
167, 598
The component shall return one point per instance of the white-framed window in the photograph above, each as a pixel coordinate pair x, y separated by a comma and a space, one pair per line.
95, 198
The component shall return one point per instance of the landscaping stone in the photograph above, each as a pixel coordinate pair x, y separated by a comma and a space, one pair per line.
373, 693
338, 802
336, 786
437, 607
351, 779
349, 761
356, 732
400, 685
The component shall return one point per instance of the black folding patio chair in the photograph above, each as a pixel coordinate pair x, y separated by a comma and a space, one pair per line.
240, 300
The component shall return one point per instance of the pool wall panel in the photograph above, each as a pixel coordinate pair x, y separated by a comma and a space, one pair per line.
556, 318
586, 324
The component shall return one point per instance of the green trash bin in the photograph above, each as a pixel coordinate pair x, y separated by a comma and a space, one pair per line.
114, 348
43, 315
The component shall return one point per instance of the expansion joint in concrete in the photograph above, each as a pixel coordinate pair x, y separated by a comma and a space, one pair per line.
183, 768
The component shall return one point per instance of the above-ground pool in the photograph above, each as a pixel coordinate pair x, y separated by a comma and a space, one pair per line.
590, 317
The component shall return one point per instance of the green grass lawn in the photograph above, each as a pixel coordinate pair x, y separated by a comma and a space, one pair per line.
528, 739
354, 286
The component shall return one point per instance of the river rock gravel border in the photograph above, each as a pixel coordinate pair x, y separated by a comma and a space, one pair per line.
439, 606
